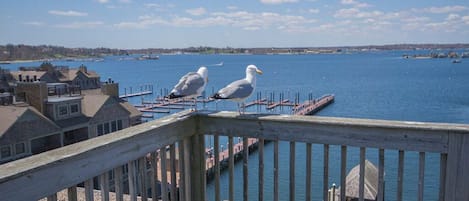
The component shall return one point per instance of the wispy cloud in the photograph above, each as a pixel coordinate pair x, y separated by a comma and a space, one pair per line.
196, 11
80, 25
70, 13
102, 1
35, 23
312, 10
277, 1
354, 3
444, 9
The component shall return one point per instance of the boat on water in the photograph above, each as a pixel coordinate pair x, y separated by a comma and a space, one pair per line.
149, 57
456, 61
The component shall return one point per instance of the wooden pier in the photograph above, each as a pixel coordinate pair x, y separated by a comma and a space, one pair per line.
136, 94
311, 107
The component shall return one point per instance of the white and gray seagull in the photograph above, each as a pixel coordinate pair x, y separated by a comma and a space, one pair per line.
239, 90
190, 85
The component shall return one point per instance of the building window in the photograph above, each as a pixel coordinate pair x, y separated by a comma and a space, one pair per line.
106, 128
113, 126
20, 148
100, 129
74, 108
5, 152
63, 110
119, 124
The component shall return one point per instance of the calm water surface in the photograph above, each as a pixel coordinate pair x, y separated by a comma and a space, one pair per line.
377, 85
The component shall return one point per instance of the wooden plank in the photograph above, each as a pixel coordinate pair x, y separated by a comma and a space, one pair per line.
89, 158
104, 184
325, 184
89, 190
457, 173
308, 172
164, 176
412, 136
118, 183
361, 184
421, 181
142, 175
72, 193
381, 175
261, 169
182, 175
343, 171
153, 175
443, 161
276, 170
400, 175
195, 180
245, 169
172, 165
292, 171
231, 169
131, 175
216, 145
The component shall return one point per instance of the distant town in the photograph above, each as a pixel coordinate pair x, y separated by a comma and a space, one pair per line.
20, 52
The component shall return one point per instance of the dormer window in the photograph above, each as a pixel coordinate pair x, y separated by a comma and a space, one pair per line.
74, 108
63, 110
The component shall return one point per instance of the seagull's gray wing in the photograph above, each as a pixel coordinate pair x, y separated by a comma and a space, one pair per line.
189, 84
237, 90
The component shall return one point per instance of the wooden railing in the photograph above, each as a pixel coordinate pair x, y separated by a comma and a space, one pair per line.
139, 149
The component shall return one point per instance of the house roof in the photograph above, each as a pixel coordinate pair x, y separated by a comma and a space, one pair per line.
371, 182
92, 104
30, 73
134, 112
10, 114
71, 74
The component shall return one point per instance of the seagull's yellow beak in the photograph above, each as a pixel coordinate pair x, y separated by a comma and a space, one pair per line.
259, 72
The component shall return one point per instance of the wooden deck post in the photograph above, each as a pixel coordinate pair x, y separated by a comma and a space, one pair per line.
194, 148
457, 173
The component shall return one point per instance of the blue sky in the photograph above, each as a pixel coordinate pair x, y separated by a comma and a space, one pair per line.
129, 24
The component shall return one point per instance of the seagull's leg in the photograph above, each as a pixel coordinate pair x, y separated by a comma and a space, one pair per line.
195, 103
239, 108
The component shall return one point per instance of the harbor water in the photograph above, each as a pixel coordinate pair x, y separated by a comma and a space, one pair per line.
374, 85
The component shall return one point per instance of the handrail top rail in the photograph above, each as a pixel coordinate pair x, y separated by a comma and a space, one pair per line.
341, 121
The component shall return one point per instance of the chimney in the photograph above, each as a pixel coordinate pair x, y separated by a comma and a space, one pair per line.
20, 78
110, 88
35, 94
83, 69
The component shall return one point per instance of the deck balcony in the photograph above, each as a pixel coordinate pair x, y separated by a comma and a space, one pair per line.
182, 135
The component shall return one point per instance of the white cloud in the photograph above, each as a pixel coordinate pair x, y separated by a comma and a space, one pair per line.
312, 10
278, 1
152, 5
80, 25
356, 13
465, 19
440, 10
452, 17
196, 11
69, 13
232, 8
103, 1
35, 23
355, 3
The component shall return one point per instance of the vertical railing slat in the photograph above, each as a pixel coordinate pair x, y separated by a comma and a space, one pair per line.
182, 175
132, 181
104, 183
261, 169
443, 159
400, 175
143, 177
89, 194
52, 197
276, 170
308, 172
292, 171
118, 183
245, 168
72, 193
343, 171
164, 176
361, 184
153, 175
421, 176
172, 165
216, 154
231, 169
381, 175
325, 185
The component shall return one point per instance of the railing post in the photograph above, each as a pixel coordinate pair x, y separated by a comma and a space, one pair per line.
194, 152
457, 173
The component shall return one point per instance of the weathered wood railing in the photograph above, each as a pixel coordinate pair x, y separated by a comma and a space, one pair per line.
45, 174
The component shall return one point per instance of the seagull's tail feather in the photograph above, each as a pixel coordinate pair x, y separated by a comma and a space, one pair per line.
217, 96
172, 96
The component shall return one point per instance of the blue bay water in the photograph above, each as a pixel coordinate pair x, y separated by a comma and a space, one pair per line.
376, 85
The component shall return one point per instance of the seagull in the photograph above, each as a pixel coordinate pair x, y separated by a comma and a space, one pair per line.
241, 89
190, 85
